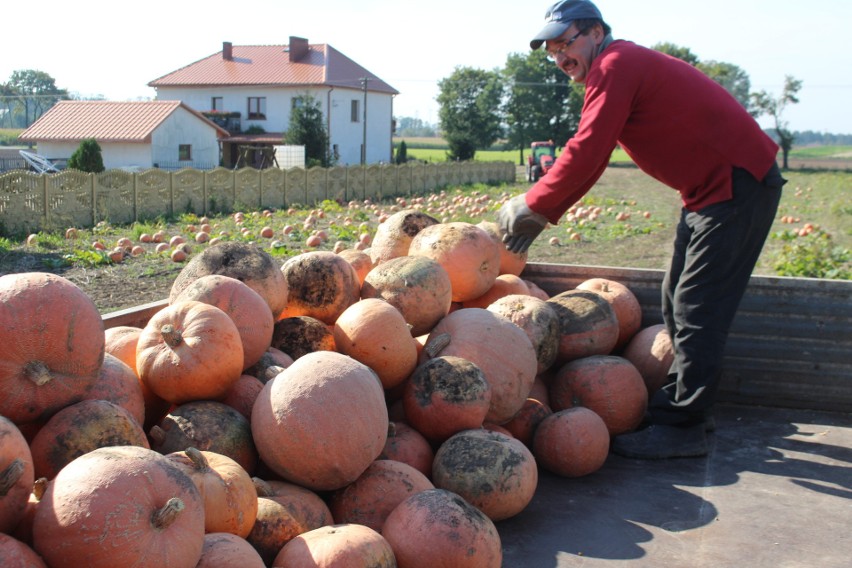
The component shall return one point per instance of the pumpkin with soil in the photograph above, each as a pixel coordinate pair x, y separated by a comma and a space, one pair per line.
393, 237
524, 424
417, 286
321, 285
80, 428
337, 546
498, 347
118, 384
439, 528
244, 261
189, 351
321, 422
504, 285
369, 499
539, 321
16, 474
16, 554
494, 472
230, 499
300, 335
465, 251
246, 308
572, 443
375, 333
53, 345
407, 445
651, 352
225, 549
510, 262
587, 324
606, 384
535, 291
446, 395
360, 261
120, 506
624, 303
210, 426
272, 362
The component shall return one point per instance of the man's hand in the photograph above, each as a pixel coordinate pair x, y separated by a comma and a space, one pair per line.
520, 225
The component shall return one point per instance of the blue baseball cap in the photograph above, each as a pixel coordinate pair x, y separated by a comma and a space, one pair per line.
559, 18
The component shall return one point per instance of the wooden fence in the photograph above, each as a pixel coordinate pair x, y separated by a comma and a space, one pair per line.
32, 202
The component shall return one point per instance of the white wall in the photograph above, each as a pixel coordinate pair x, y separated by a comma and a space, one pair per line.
115, 154
183, 127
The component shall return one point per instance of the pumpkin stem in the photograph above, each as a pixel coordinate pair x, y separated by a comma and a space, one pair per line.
271, 372
263, 488
163, 518
434, 346
10, 476
38, 372
39, 487
199, 462
605, 287
157, 435
391, 429
171, 336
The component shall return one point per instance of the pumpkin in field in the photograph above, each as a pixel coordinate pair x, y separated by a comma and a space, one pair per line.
539, 321
369, 499
245, 307
651, 352
417, 286
80, 428
572, 443
609, 385
360, 261
189, 351
53, 345
120, 506
446, 395
343, 545
492, 471
244, 261
226, 549
15, 554
587, 324
393, 237
16, 475
465, 251
321, 285
439, 528
299, 335
407, 445
498, 347
624, 303
510, 262
230, 499
321, 422
375, 333
504, 285
524, 424
118, 383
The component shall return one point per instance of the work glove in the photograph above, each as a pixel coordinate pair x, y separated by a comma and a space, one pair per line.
519, 224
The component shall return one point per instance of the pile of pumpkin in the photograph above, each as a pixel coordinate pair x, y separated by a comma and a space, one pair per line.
368, 408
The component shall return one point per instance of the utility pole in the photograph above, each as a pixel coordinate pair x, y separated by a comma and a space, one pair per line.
364, 81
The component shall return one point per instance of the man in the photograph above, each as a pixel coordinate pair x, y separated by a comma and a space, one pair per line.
686, 131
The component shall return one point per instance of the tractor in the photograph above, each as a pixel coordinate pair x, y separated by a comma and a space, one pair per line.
540, 160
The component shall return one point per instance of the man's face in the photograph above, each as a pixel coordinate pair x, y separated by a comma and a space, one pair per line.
573, 52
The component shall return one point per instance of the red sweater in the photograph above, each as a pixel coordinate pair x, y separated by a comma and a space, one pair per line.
677, 124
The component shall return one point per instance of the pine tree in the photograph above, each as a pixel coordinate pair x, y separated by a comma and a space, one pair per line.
87, 157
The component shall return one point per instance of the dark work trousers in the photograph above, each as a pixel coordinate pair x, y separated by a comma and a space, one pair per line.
715, 251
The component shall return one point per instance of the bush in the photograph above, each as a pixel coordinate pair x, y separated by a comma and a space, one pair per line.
401, 153
87, 157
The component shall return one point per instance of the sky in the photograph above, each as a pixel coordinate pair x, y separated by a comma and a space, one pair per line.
114, 49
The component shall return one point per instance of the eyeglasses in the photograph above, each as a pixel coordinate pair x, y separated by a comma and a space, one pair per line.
552, 55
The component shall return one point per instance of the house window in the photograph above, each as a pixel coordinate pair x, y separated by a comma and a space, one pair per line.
217, 104
184, 152
257, 108
356, 110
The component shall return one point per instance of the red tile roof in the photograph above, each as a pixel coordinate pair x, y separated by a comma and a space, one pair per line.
270, 65
106, 121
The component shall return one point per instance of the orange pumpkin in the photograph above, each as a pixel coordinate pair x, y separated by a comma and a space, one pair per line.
321, 285
504, 285
587, 324
438, 528
189, 351
524, 424
16, 475
510, 262
465, 251
120, 342
337, 546
299, 335
407, 445
360, 261
53, 345
120, 506
242, 394
572, 443
393, 237
539, 321
15, 553
624, 303
118, 383
651, 352
226, 549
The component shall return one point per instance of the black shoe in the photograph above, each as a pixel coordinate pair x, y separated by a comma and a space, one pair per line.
660, 441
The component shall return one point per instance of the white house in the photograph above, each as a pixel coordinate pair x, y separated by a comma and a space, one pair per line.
258, 85
141, 134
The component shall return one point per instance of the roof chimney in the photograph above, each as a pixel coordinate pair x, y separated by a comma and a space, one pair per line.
298, 48
227, 51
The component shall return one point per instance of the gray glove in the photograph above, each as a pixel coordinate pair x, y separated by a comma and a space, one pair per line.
519, 224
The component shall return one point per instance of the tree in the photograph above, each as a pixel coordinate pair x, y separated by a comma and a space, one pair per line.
36, 91
409, 127
87, 157
469, 110
307, 128
401, 153
541, 101
732, 78
764, 103
683, 53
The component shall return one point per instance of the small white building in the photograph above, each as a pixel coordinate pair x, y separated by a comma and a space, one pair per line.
259, 85
139, 135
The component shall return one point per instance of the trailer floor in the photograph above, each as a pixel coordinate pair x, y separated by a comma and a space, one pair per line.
775, 491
